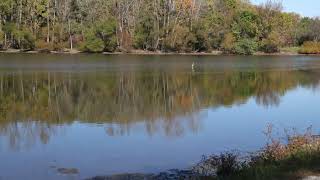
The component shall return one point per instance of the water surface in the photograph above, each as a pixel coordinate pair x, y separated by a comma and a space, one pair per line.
106, 115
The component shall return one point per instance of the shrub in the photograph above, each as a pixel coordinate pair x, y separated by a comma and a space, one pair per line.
277, 160
101, 37
92, 43
60, 46
43, 45
28, 40
106, 32
186, 40
144, 33
228, 42
1, 39
224, 165
310, 47
182, 40
271, 43
140, 41
201, 42
245, 46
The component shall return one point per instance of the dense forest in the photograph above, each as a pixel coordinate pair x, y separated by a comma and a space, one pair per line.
232, 26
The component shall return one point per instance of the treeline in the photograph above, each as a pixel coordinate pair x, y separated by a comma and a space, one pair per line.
233, 26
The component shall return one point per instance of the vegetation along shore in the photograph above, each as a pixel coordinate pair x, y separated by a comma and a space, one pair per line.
295, 158
293, 51
146, 27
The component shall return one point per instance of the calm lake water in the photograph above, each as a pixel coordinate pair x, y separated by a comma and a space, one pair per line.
116, 114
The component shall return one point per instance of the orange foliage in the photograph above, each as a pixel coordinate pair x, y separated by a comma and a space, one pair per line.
185, 4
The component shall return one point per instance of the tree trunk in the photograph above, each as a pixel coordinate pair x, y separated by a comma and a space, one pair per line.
48, 22
19, 23
70, 35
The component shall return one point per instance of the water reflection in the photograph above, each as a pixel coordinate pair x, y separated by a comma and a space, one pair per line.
33, 105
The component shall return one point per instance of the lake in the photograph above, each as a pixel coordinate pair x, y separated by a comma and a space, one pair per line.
112, 114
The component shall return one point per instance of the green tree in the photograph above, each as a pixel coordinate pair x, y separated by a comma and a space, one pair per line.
245, 46
101, 37
92, 43
247, 25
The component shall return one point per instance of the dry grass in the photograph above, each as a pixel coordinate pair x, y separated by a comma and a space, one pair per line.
295, 158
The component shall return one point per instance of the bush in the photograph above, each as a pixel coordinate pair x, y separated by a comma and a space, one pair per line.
245, 47
28, 40
183, 40
24, 39
101, 37
59, 46
271, 43
270, 48
176, 41
144, 33
43, 45
295, 158
1, 39
228, 43
310, 47
201, 42
106, 32
140, 41
92, 43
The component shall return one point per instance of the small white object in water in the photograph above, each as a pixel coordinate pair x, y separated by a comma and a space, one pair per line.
193, 66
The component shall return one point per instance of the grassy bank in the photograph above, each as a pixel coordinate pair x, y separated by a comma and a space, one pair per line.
296, 158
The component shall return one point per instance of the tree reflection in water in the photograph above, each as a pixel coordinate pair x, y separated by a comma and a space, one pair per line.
34, 105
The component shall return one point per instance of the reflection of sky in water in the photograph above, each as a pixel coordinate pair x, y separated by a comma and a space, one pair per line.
89, 148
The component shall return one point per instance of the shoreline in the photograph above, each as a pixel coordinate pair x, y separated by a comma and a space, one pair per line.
296, 159
151, 53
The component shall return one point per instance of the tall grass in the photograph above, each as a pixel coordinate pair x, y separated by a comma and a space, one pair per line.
296, 158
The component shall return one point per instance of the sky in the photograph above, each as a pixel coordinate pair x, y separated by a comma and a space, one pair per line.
309, 8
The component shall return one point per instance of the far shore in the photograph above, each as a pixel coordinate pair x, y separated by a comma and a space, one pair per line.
143, 52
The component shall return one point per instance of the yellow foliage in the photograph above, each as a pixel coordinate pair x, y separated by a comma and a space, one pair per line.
310, 47
228, 42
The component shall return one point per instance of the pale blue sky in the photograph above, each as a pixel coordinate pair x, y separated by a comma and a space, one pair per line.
304, 7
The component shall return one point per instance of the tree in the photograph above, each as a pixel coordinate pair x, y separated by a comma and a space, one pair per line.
245, 46
101, 37
92, 42
247, 25
156, 25
106, 31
